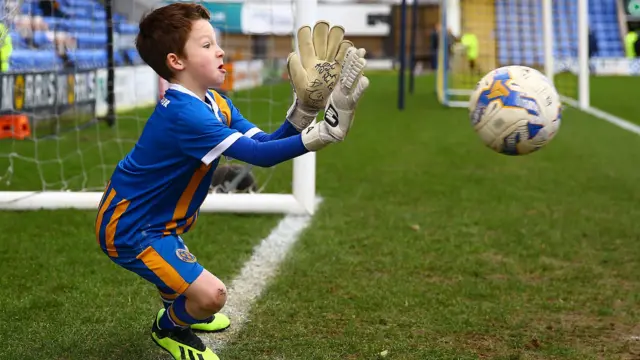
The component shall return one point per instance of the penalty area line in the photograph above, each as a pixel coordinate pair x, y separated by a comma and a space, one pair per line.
256, 274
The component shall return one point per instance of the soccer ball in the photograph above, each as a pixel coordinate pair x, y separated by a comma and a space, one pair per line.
515, 110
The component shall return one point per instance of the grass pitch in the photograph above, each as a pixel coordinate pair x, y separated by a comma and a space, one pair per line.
427, 246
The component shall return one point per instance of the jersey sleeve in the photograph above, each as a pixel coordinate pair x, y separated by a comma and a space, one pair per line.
238, 121
201, 136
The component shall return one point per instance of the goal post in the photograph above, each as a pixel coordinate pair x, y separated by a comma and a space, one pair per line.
59, 175
480, 35
304, 167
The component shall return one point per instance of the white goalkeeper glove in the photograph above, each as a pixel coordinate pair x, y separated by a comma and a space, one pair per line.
340, 110
314, 73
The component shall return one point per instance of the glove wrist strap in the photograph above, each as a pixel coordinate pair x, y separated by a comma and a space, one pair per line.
311, 138
301, 117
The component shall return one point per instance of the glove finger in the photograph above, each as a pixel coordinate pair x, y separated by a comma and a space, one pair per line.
297, 73
362, 85
320, 34
305, 47
336, 35
291, 56
361, 52
342, 50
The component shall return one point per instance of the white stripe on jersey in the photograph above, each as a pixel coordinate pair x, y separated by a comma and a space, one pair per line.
220, 148
252, 132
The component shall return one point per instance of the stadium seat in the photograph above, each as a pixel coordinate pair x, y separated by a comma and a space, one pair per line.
47, 60
18, 41
53, 23
31, 8
88, 59
91, 40
22, 60
42, 41
134, 56
118, 58
126, 28
510, 32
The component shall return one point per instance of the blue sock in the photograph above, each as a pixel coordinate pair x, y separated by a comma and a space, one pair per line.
167, 296
177, 315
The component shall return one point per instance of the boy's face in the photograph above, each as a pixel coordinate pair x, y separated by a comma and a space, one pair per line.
204, 57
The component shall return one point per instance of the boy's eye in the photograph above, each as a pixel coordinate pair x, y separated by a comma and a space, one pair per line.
207, 45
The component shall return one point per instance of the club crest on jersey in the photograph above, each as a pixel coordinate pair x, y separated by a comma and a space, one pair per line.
185, 256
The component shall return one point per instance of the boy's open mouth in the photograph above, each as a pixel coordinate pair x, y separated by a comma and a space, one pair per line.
221, 68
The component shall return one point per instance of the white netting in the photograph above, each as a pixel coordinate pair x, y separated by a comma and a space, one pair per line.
54, 95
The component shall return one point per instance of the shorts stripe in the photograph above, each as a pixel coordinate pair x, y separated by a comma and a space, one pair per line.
113, 225
103, 208
163, 270
104, 194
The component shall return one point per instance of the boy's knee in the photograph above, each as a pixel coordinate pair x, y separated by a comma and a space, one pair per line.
215, 298
209, 294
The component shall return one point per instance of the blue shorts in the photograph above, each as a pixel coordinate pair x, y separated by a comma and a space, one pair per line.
167, 263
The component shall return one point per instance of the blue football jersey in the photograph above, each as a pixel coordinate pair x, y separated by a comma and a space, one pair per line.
158, 188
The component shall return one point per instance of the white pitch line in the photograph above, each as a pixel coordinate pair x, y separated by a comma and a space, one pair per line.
603, 115
255, 275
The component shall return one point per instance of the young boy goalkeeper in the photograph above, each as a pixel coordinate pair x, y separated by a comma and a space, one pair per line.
155, 192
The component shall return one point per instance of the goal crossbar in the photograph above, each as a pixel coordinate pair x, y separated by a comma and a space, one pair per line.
229, 203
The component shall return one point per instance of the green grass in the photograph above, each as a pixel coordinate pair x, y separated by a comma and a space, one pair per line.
615, 95
428, 245
62, 298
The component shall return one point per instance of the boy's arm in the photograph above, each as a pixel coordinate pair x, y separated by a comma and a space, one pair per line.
205, 138
266, 154
250, 130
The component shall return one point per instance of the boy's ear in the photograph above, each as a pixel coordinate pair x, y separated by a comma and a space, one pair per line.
174, 62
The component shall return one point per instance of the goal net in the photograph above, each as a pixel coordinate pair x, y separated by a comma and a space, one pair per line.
59, 140
565, 39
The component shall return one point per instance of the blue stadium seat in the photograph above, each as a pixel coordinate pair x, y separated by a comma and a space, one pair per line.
17, 41
99, 14
91, 40
88, 59
80, 3
118, 58
513, 35
42, 41
22, 60
78, 25
30, 8
53, 22
47, 60
85, 23
134, 56
126, 28
78, 12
